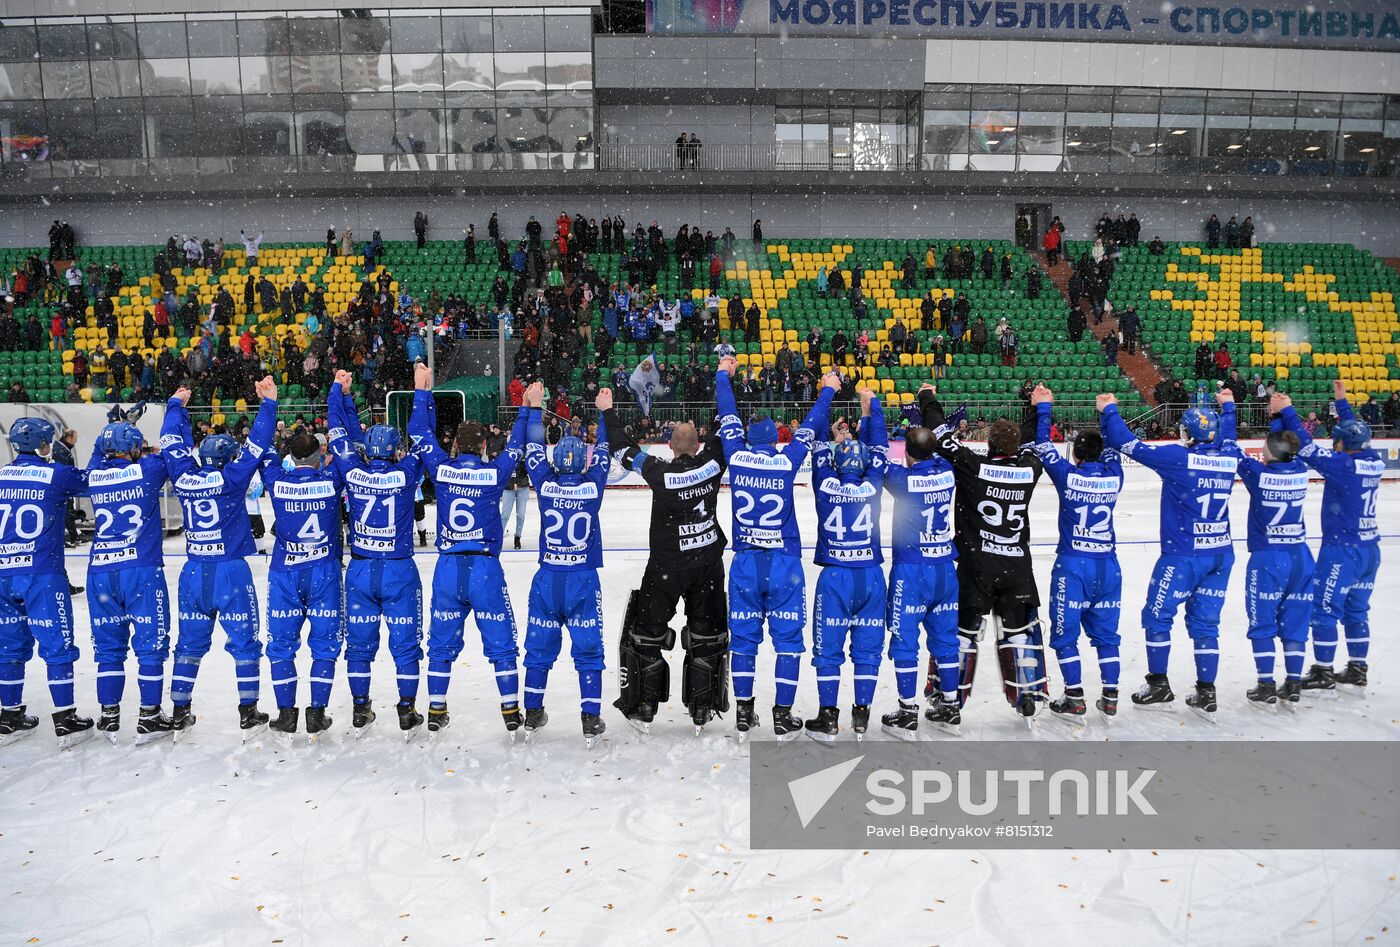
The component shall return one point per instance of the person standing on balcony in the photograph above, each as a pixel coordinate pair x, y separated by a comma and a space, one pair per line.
420, 228
680, 152
693, 147
758, 232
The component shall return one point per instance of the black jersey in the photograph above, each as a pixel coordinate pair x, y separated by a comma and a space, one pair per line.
993, 493
685, 532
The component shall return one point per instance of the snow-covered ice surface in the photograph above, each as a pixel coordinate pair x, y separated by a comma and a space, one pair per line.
467, 839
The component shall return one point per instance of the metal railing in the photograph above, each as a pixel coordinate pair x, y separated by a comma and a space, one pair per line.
773, 156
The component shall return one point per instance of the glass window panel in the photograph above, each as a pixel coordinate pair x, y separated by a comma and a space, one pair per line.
1183, 103
1087, 140
18, 43
522, 129
315, 73
218, 123
63, 42
314, 34
993, 132
519, 34
572, 128
362, 33
1043, 101
21, 81
172, 136
416, 34
322, 133
568, 33
474, 130
165, 76
1316, 124
261, 36
162, 39
520, 71
267, 133
1135, 141
213, 37
947, 100
1274, 103
116, 77
569, 70
265, 74
1276, 123
213, 76
120, 136
467, 34
1363, 106
28, 138
365, 73
112, 40
1225, 142
417, 72
1180, 140
66, 80
370, 131
469, 71
419, 131
1316, 106
1040, 139
70, 130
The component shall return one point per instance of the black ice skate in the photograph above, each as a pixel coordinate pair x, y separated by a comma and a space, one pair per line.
510, 714
744, 717
1321, 680
1070, 709
1202, 702
593, 728
110, 721
535, 718
786, 726
438, 718
251, 721
825, 725
641, 717
702, 717
362, 718
1353, 677
70, 728
316, 721
182, 719
902, 724
1263, 695
1290, 695
1154, 694
944, 714
422, 537
14, 724
152, 725
286, 721
860, 720
517, 542
1107, 705
410, 720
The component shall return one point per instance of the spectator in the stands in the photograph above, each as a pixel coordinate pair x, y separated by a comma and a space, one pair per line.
1033, 282
1156, 247
1223, 362
758, 232
1133, 230
1006, 274
1247, 232
978, 335
1370, 412
18, 394
1205, 360
1008, 344
1391, 410
898, 333
1050, 243
989, 263
930, 263
1130, 324
1110, 348
1232, 232
1075, 324
1213, 232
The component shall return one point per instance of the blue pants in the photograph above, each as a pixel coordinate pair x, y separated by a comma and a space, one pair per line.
388, 590
561, 598
309, 596
221, 591
1279, 593
516, 500
767, 585
849, 603
36, 608
1085, 594
1200, 582
1343, 582
475, 584
129, 606
923, 596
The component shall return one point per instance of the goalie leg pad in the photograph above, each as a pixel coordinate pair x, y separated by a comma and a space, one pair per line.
967, 662
705, 677
643, 674
1021, 656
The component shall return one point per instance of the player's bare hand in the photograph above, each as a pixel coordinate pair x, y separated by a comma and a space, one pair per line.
1225, 396
422, 377
1042, 395
831, 380
867, 395
266, 389
931, 389
1103, 401
534, 395
729, 365
182, 395
1339, 389
604, 400
342, 378
1278, 402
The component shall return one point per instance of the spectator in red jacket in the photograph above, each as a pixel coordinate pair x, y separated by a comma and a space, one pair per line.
1222, 361
516, 390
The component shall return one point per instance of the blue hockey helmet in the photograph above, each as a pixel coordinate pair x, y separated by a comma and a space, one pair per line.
217, 450
850, 458
381, 441
1200, 425
1353, 434
120, 437
570, 455
31, 435
763, 431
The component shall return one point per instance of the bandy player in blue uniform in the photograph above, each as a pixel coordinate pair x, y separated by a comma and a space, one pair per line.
565, 592
1196, 557
766, 582
128, 599
215, 583
1279, 578
381, 582
847, 480
35, 604
304, 580
923, 586
1086, 584
1350, 555
468, 577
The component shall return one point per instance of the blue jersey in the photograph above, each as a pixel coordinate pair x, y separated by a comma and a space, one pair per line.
468, 488
761, 477
1196, 484
848, 510
34, 494
1277, 493
1088, 493
923, 511
126, 509
380, 492
1350, 485
212, 498
306, 514
570, 538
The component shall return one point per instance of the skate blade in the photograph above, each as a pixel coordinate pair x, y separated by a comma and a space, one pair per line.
860, 736
180, 736
1319, 694
951, 729
826, 738
1206, 715
112, 736
641, 726
590, 742
1351, 690
412, 733
1161, 707
513, 736
255, 733
70, 740
144, 738
15, 737
789, 736
530, 734
1073, 721
1264, 706
1106, 719
899, 733
1288, 706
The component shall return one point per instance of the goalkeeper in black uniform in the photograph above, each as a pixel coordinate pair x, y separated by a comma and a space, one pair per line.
994, 557
687, 562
